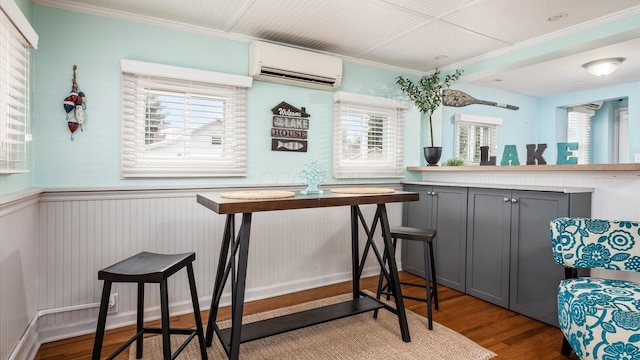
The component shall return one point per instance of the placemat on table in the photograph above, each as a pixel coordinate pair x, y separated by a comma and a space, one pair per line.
362, 190
258, 194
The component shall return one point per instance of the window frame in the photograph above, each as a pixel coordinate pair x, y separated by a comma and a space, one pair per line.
475, 121
585, 136
139, 79
364, 108
18, 39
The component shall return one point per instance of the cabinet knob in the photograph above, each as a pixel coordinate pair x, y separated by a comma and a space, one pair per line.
514, 200
433, 193
505, 199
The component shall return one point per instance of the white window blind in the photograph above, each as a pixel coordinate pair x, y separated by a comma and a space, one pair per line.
621, 136
193, 125
472, 132
368, 135
579, 130
16, 40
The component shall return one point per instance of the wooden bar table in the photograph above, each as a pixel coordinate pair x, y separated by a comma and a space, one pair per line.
234, 255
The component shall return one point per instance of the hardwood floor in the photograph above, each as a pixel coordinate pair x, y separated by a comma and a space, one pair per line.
508, 334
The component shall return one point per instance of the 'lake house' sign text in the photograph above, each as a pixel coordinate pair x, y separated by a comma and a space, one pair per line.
290, 126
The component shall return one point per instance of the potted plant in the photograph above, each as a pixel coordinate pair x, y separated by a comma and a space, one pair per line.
427, 95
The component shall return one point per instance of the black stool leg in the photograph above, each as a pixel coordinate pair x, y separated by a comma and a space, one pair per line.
140, 321
164, 310
427, 275
196, 311
102, 320
433, 277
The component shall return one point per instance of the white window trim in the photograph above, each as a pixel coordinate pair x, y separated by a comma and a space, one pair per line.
348, 168
15, 95
176, 72
11, 9
136, 167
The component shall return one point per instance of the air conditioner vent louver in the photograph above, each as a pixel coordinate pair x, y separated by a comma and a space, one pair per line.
281, 64
284, 74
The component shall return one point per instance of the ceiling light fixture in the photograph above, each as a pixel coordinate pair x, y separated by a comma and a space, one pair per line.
603, 66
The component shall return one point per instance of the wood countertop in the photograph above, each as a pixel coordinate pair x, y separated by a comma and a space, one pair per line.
586, 167
213, 201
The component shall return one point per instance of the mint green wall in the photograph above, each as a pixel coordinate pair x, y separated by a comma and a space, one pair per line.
97, 44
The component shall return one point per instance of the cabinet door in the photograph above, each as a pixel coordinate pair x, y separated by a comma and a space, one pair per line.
534, 274
415, 214
449, 219
488, 231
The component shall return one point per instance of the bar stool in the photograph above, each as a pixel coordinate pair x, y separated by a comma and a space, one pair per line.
142, 268
426, 236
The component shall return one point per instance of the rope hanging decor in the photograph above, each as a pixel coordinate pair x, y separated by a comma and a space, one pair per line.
75, 104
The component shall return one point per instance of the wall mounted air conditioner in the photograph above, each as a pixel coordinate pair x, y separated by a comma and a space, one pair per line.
285, 65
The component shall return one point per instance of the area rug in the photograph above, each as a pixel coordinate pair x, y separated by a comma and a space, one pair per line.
356, 337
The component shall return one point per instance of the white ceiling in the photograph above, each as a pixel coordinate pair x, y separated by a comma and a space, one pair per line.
411, 34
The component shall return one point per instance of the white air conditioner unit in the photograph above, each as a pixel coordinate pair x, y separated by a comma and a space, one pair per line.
285, 65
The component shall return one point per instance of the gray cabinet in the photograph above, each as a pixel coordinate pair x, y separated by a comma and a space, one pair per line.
494, 244
509, 261
444, 209
489, 227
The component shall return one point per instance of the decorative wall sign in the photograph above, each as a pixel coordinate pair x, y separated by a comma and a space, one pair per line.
290, 126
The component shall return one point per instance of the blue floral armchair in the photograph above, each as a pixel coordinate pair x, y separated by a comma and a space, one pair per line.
600, 318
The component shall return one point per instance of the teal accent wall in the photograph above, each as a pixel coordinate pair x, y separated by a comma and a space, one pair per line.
96, 45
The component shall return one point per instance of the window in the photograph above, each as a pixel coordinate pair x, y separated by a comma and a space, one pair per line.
368, 134
17, 38
579, 130
472, 132
621, 136
179, 122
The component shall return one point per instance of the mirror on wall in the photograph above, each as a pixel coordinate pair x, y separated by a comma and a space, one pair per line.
600, 128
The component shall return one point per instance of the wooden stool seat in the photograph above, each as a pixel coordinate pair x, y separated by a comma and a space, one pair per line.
142, 268
427, 236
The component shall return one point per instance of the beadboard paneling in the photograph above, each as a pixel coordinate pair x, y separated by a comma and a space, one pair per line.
18, 269
80, 233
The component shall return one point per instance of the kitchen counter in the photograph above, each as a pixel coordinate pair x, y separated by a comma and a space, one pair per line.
558, 189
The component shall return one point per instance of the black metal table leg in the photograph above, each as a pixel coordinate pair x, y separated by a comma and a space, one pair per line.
237, 301
229, 233
394, 284
355, 252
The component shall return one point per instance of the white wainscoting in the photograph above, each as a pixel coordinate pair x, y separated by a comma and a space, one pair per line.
18, 274
81, 232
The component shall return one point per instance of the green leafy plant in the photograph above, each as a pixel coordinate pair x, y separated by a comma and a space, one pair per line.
455, 162
427, 95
